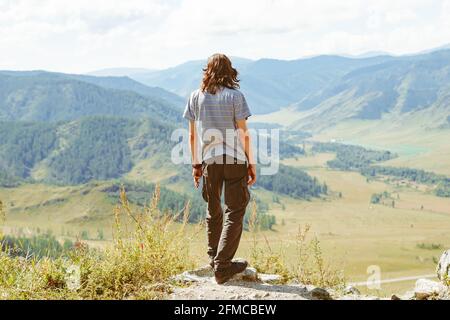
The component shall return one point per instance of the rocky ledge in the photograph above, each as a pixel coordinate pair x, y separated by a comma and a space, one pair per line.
200, 284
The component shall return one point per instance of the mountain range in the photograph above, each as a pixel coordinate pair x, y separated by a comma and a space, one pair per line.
329, 89
267, 83
53, 122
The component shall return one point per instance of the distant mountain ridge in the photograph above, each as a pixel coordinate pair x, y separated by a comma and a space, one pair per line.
327, 89
268, 84
331, 89
44, 96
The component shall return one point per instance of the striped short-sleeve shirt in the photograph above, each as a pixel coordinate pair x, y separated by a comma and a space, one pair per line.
215, 116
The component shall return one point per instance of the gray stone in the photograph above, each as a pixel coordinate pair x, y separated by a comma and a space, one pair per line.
443, 268
186, 277
351, 290
321, 294
205, 271
249, 274
270, 278
195, 275
425, 289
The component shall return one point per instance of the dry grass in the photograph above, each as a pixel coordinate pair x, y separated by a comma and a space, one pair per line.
309, 265
148, 249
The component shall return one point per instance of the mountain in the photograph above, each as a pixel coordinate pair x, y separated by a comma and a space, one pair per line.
400, 88
110, 82
269, 84
43, 96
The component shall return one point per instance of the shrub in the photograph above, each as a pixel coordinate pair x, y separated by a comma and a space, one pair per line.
310, 267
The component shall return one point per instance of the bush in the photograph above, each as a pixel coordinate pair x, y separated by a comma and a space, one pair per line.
310, 267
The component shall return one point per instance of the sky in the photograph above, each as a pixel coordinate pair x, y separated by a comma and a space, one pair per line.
85, 35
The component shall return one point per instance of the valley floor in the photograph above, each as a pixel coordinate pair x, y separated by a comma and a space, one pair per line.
355, 235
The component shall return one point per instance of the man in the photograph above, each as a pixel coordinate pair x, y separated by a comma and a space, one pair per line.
221, 153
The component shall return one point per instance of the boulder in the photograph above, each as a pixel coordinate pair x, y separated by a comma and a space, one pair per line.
249, 274
425, 289
443, 268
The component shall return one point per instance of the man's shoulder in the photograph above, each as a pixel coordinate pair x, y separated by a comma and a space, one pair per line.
233, 92
195, 93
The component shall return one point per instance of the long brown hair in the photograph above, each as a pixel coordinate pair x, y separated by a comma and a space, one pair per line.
219, 73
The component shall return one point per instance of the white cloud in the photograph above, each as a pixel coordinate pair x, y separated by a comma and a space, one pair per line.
83, 35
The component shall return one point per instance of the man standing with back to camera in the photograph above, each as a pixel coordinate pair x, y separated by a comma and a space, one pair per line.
221, 153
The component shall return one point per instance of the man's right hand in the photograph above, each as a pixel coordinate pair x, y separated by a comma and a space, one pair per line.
251, 174
197, 174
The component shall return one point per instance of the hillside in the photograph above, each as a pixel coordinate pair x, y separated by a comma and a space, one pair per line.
78, 151
41, 96
405, 88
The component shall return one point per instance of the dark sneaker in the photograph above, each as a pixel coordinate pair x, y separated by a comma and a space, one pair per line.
224, 275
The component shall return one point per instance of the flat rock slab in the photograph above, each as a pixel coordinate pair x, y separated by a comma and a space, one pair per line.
249, 285
240, 290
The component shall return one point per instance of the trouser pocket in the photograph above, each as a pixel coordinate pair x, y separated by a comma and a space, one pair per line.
237, 195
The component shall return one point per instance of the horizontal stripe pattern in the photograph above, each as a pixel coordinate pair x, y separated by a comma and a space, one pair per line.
217, 111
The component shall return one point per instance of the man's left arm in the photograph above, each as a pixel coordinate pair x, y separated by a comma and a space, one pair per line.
196, 164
